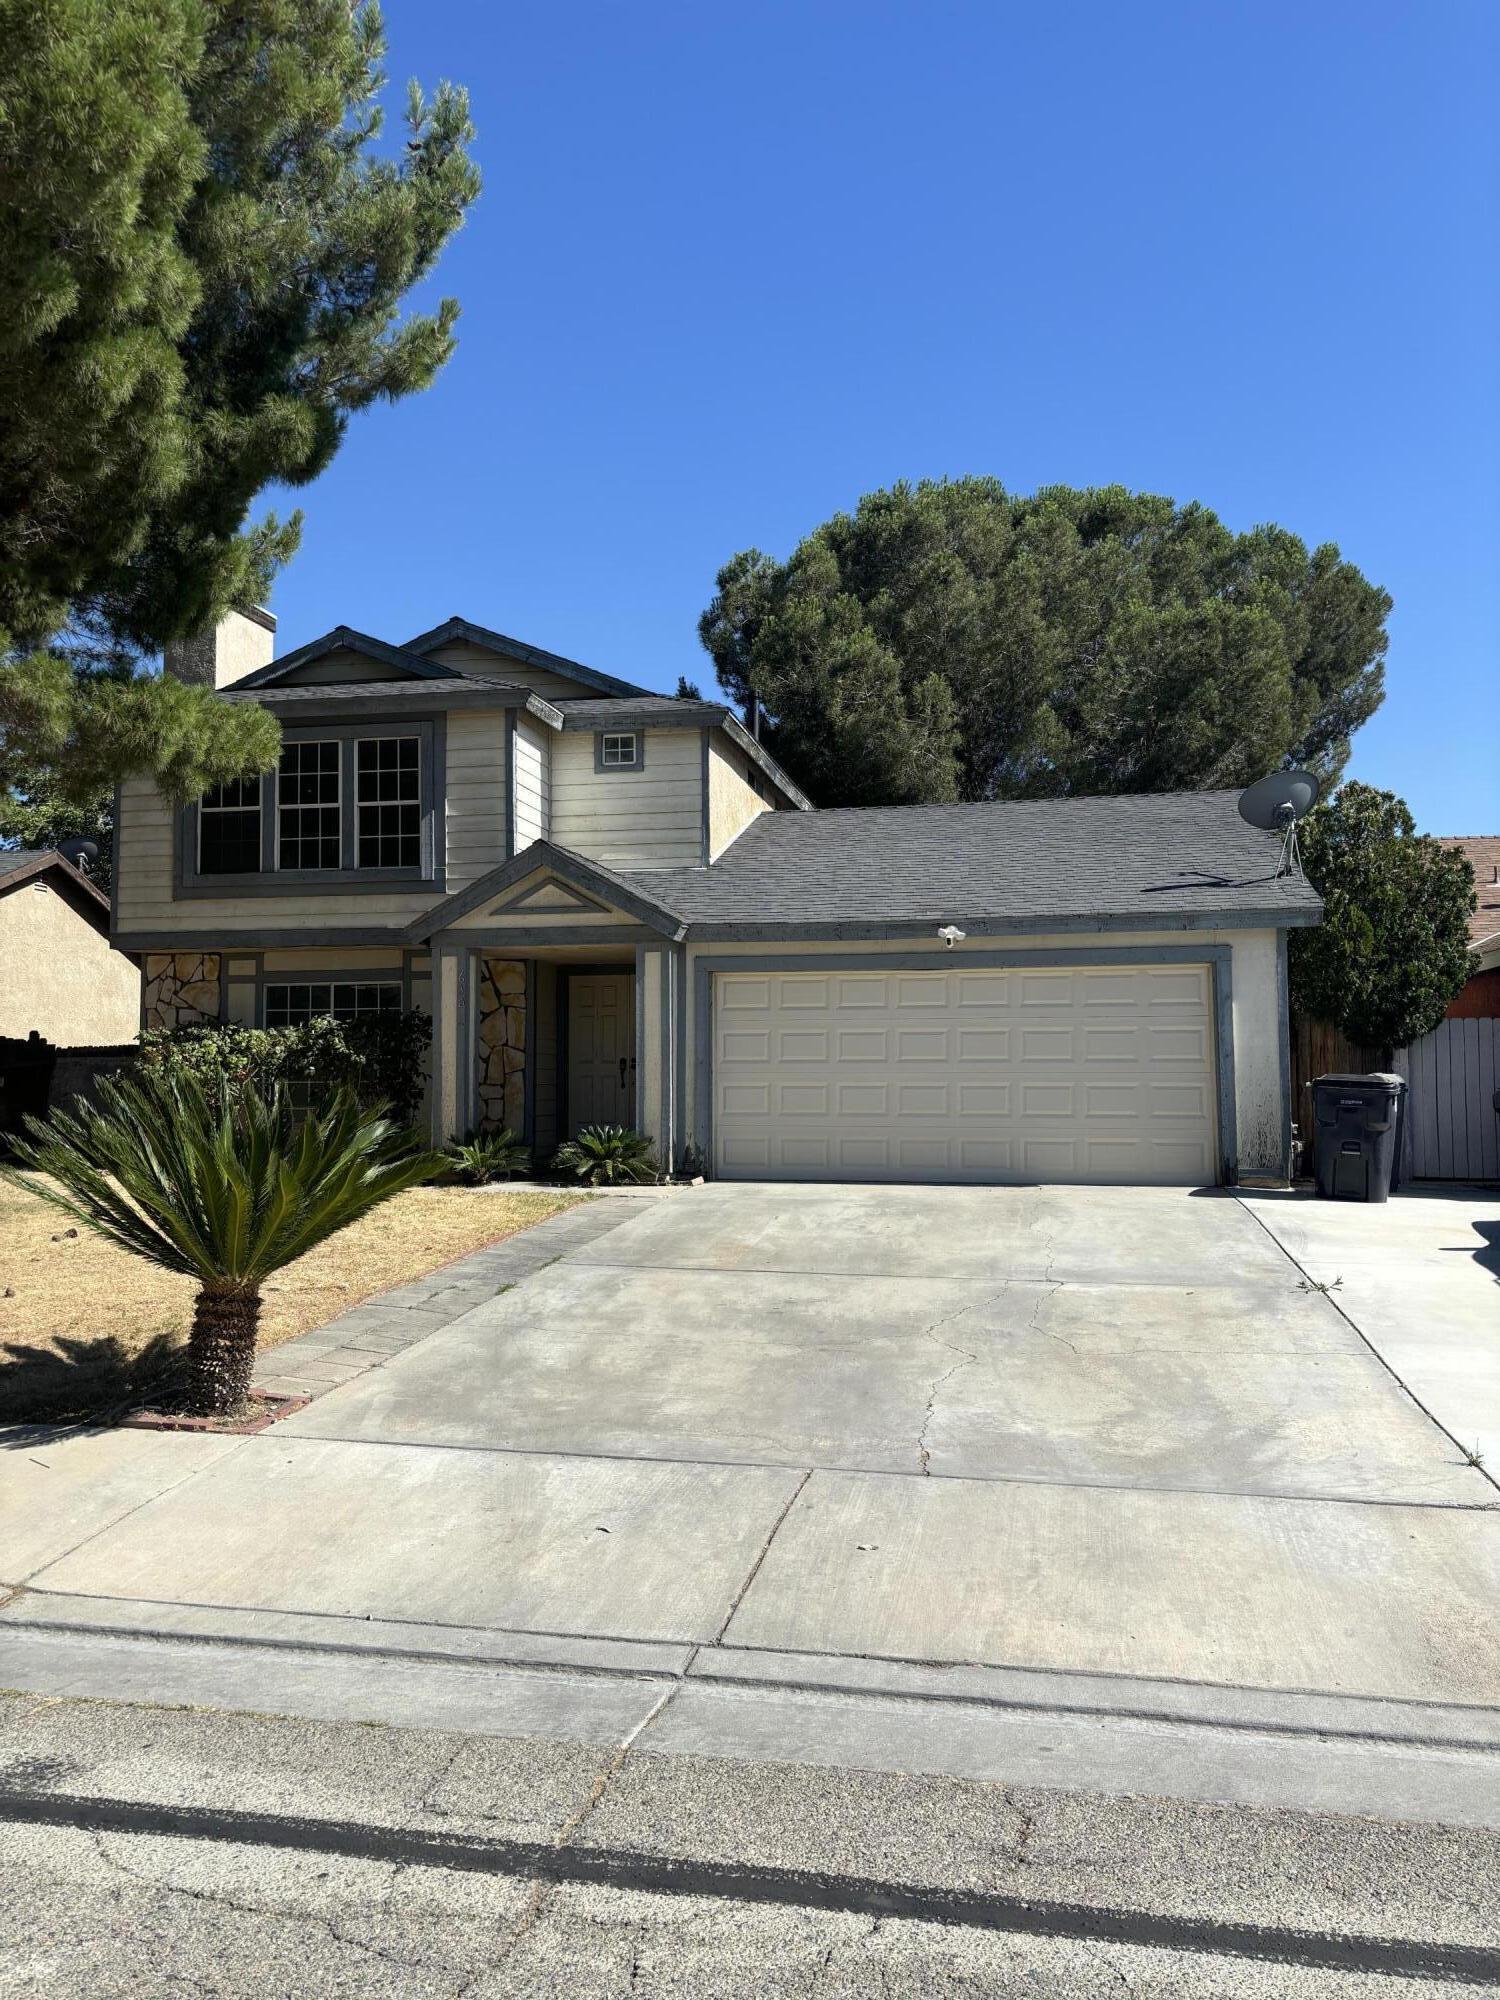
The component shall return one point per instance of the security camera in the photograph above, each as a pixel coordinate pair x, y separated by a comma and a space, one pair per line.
952, 935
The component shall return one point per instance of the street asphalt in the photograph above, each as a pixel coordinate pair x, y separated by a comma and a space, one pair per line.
159, 1851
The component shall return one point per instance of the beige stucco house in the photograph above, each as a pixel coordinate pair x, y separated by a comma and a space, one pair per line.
617, 907
59, 974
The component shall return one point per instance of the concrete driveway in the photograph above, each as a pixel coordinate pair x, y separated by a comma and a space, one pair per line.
835, 1437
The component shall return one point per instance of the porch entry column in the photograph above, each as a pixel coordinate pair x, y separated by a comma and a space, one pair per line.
453, 1008
502, 1039
658, 997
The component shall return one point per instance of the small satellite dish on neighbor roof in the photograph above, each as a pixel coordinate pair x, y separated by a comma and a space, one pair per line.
1276, 804
82, 853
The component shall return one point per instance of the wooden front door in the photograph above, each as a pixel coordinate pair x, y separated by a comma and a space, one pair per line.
601, 1049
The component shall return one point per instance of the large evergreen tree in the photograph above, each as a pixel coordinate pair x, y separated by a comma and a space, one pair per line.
1393, 947
952, 640
205, 255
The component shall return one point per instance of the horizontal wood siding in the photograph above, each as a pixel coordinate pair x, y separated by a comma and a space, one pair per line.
533, 781
476, 795
143, 869
471, 659
651, 818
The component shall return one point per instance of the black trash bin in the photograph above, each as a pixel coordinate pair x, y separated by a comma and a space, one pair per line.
1356, 1131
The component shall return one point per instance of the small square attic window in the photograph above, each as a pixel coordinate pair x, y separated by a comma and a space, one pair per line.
619, 750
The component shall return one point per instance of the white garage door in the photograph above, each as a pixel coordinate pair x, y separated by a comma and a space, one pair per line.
1104, 1074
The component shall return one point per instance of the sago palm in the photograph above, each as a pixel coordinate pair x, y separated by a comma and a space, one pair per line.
604, 1155
220, 1183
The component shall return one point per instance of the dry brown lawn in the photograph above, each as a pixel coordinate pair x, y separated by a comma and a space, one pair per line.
83, 1324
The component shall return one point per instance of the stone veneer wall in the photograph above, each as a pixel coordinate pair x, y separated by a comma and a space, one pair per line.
182, 988
502, 1044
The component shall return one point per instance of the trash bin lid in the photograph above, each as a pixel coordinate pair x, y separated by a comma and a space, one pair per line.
1343, 1079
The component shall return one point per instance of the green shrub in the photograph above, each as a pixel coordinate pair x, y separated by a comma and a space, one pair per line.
377, 1056
604, 1155
488, 1156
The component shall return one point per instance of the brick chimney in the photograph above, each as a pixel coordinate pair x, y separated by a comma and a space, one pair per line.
238, 645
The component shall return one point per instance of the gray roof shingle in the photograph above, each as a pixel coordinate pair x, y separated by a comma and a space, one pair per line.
1157, 858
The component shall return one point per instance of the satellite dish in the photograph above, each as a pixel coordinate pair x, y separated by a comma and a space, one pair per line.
1276, 803
1266, 802
82, 853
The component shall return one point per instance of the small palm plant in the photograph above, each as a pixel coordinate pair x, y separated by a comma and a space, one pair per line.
488, 1156
605, 1155
220, 1183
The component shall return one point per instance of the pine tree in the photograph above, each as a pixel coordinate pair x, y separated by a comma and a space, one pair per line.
205, 256
953, 640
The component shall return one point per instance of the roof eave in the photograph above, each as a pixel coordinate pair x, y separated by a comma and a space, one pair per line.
517, 649
724, 930
568, 867
343, 638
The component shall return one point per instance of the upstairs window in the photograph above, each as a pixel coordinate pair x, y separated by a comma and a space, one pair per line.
295, 1004
346, 808
388, 794
308, 809
229, 829
619, 750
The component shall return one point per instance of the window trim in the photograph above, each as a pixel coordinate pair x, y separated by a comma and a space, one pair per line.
259, 809
357, 805
296, 742
331, 980
601, 736
347, 879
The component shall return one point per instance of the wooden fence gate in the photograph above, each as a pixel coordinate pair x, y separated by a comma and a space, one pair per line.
1452, 1131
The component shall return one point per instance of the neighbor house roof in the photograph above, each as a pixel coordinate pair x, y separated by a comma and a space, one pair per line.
1161, 861
1483, 850
21, 864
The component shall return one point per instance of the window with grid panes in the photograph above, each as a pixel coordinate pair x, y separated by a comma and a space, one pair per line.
293, 1004
229, 829
388, 792
308, 817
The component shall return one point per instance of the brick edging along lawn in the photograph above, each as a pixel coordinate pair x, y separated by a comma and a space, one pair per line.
369, 1334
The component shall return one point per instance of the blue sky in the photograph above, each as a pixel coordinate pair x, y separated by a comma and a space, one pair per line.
734, 267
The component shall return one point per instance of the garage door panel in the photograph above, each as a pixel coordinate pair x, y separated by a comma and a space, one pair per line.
802, 1045
1047, 1045
984, 1044
923, 1045
862, 1045
742, 995
1097, 1074
923, 1100
803, 1100
802, 994
983, 1100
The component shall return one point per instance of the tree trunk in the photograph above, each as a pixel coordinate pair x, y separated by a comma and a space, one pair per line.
221, 1352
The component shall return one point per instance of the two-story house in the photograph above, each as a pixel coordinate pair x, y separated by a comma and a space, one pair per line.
617, 907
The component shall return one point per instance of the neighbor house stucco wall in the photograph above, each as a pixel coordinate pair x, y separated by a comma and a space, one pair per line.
59, 975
